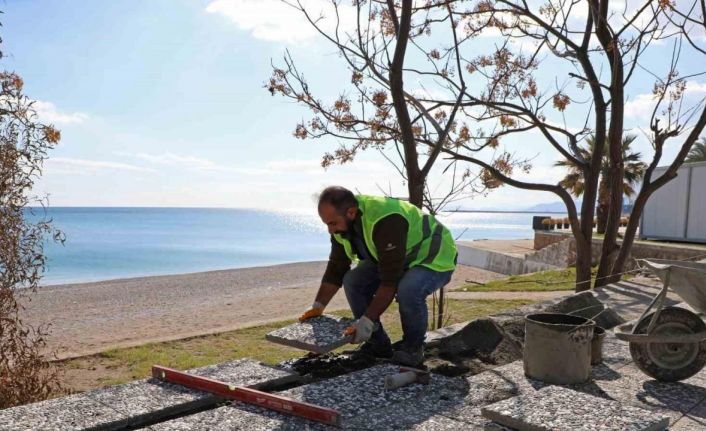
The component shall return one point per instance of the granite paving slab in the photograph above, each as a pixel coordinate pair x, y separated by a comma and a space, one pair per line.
678, 396
615, 351
687, 423
150, 399
359, 392
418, 414
319, 334
137, 403
239, 417
75, 412
508, 378
556, 408
494, 426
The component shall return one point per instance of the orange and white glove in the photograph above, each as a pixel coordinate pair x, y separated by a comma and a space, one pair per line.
361, 330
316, 310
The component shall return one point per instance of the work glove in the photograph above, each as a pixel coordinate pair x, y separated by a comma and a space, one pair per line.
361, 330
316, 310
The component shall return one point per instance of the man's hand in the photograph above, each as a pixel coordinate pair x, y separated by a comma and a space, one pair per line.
361, 330
316, 310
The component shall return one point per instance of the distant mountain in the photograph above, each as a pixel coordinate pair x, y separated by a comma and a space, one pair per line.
557, 207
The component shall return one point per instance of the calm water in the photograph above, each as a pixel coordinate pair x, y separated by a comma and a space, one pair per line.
107, 243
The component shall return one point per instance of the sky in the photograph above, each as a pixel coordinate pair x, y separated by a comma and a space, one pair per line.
162, 103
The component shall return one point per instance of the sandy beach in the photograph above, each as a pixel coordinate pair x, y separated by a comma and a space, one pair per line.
91, 317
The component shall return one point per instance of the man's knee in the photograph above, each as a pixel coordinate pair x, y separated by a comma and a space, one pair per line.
408, 293
356, 278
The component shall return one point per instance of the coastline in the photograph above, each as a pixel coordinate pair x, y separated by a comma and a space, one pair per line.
88, 318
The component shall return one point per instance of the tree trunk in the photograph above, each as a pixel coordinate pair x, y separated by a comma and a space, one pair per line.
415, 187
583, 265
603, 206
629, 237
585, 236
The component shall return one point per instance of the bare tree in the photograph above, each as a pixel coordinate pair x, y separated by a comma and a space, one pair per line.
380, 46
566, 60
26, 375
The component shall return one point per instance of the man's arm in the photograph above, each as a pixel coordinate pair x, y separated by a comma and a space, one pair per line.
390, 238
325, 293
338, 265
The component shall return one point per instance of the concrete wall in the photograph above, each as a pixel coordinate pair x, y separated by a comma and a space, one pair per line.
677, 211
640, 250
498, 262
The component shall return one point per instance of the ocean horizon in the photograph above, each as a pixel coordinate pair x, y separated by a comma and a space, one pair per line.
104, 243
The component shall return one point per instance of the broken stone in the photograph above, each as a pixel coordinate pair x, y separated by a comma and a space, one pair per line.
556, 408
319, 334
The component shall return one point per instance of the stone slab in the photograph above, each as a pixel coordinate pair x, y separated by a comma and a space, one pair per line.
508, 378
494, 426
239, 417
150, 399
419, 414
319, 334
555, 408
678, 396
358, 393
615, 351
137, 403
75, 412
688, 423
359, 397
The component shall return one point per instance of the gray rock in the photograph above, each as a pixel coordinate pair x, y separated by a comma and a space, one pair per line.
608, 319
579, 301
478, 335
319, 334
556, 408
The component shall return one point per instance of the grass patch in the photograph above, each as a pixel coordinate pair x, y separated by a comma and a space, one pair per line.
555, 279
126, 364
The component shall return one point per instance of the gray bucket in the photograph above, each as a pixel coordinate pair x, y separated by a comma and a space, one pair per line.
558, 348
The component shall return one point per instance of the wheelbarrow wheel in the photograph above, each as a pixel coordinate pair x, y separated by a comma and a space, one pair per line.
670, 362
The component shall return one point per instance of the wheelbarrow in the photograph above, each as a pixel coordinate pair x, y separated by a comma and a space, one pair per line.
669, 343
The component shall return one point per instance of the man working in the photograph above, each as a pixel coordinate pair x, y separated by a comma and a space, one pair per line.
400, 252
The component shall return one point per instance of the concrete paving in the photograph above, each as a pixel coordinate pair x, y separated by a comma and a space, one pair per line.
319, 334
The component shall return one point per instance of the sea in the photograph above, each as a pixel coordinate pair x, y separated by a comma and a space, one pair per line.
110, 243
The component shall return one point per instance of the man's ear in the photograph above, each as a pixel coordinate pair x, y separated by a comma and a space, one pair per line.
351, 213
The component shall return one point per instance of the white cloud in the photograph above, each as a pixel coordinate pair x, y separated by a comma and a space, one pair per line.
642, 105
66, 165
273, 20
48, 113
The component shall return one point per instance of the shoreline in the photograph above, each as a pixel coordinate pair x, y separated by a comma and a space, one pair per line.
88, 318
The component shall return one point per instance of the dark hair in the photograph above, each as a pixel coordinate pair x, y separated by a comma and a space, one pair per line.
339, 197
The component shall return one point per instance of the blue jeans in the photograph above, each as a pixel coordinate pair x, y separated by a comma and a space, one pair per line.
361, 283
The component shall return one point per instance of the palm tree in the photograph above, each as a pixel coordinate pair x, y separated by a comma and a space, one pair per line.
634, 170
698, 152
